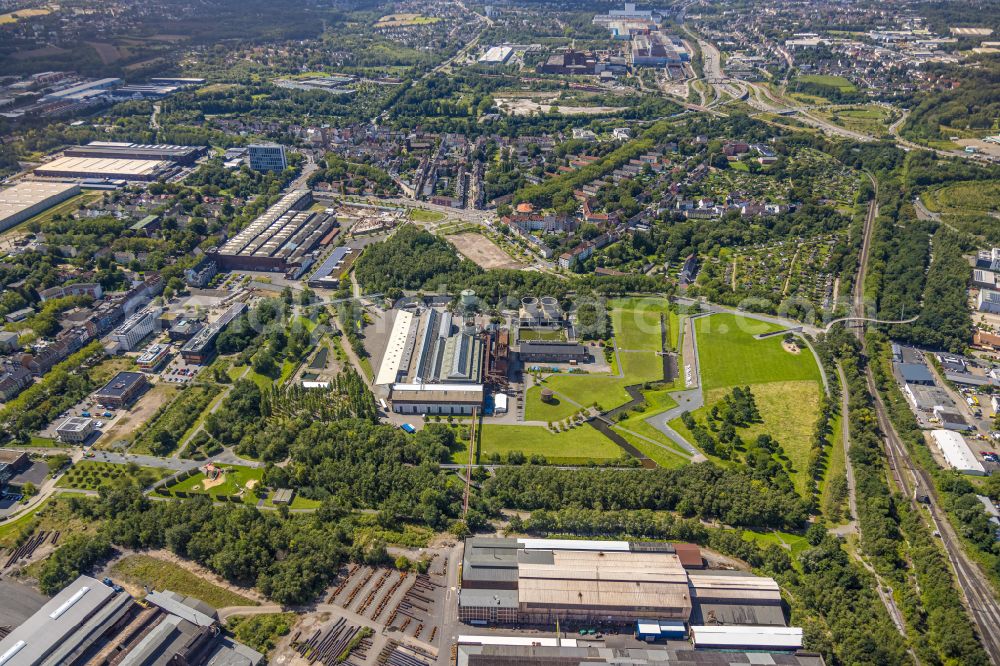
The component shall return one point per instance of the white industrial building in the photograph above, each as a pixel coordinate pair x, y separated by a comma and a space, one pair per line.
134, 329
734, 637
29, 198
496, 55
398, 350
957, 453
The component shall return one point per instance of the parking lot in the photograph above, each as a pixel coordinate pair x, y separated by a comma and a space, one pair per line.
104, 419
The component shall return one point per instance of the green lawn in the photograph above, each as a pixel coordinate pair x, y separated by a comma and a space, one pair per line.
573, 447
39, 442
607, 392
730, 356
541, 334
793, 543
421, 215
636, 322
536, 410
236, 479
641, 367
838, 82
661, 456
91, 474
786, 387
13, 528
157, 574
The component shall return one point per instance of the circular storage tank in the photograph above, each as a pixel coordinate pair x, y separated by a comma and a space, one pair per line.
469, 299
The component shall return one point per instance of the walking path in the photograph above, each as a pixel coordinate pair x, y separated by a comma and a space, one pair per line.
688, 400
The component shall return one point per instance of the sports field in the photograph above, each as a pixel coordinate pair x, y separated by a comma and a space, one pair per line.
573, 447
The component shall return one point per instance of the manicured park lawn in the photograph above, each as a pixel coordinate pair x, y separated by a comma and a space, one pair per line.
661, 456
786, 387
157, 574
236, 479
640, 367
636, 322
606, 391
730, 356
421, 215
573, 447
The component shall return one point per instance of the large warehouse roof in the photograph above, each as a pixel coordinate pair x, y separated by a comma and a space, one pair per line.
62, 624
93, 166
598, 579
956, 452
18, 200
745, 637
399, 343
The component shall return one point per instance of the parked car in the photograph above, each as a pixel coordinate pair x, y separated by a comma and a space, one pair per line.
407, 428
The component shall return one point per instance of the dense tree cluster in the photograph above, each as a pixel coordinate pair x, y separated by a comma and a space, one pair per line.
702, 490
893, 535
361, 464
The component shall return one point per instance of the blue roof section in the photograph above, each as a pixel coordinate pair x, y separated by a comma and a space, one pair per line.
330, 263
915, 372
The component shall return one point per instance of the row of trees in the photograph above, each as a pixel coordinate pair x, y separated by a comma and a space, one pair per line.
736, 497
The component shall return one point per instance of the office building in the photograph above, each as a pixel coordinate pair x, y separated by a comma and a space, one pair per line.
267, 157
29, 198
202, 345
988, 300
75, 429
123, 389
152, 357
12, 463
134, 329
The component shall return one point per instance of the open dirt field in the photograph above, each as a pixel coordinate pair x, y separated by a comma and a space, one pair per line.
141, 411
108, 52
526, 107
483, 251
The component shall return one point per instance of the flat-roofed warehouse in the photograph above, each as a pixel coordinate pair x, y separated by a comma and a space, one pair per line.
137, 151
539, 581
29, 198
99, 167
280, 238
587, 585
509, 653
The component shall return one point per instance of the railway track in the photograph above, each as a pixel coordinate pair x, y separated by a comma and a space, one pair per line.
910, 478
